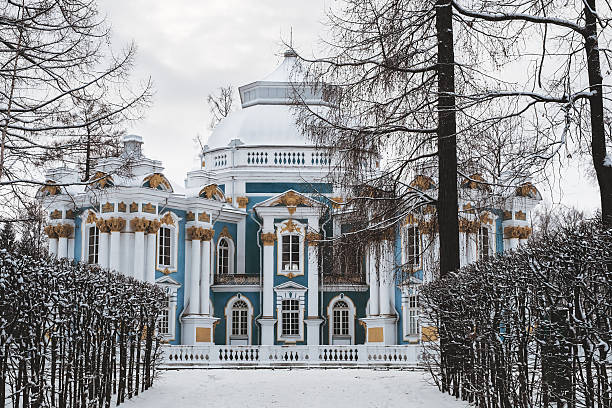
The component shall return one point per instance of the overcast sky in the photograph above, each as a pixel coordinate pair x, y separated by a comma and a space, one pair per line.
190, 48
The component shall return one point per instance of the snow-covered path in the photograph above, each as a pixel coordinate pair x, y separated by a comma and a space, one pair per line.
350, 388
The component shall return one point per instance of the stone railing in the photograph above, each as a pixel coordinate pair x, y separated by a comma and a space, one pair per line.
216, 356
339, 279
237, 279
266, 156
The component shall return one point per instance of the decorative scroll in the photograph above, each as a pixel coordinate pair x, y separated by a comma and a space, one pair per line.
290, 227
291, 200
476, 182
102, 225
268, 238
527, 190
49, 189
225, 234
91, 218
521, 216
101, 180
212, 192
200, 234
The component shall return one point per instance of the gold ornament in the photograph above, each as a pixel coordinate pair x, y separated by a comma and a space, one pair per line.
134, 207
313, 238
527, 190
290, 227
291, 200
148, 208
507, 215
116, 224
50, 231
225, 234
70, 214
122, 207
167, 219
102, 225
268, 238
91, 218
101, 180
519, 215
108, 207
153, 227
56, 215
139, 224
212, 191
203, 217
207, 234
422, 182
242, 201
157, 179
64, 230
190, 216
476, 182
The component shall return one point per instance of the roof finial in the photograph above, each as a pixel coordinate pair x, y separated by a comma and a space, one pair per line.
290, 53
291, 37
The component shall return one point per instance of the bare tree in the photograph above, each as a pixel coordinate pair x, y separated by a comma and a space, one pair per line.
62, 91
221, 104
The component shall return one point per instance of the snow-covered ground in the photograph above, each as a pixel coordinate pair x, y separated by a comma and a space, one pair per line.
352, 388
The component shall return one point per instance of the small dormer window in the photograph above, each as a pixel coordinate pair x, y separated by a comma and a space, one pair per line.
291, 252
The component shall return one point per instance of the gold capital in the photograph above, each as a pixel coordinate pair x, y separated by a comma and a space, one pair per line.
50, 231
268, 238
115, 224
64, 230
242, 201
153, 227
103, 225
139, 224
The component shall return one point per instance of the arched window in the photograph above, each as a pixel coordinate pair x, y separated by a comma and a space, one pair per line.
413, 246
341, 318
240, 311
484, 246
93, 242
223, 257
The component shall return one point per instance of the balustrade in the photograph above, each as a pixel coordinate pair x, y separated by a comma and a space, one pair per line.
273, 157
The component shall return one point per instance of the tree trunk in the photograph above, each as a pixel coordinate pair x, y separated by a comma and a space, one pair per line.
598, 135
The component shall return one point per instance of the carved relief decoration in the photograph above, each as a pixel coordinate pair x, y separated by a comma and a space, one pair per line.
91, 218
157, 180
148, 208
70, 214
507, 215
101, 180
134, 207
212, 192
268, 238
122, 207
517, 232
200, 234
116, 224
242, 201
167, 219
291, 200
139, 224
153, 226
290, 227
56, 215
102, 225
519, 215
64, 230
50, 231
485, 218
203, 217
108, 207
476, 182
190, 216
527, 190
225, 234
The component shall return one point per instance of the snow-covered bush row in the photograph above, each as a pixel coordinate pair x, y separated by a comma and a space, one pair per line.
73, 335
530, 328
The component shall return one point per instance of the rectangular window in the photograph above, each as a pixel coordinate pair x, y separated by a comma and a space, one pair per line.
164, 246
483, 243
413, 239
291, 253
164, 327
413, 315
239, 322
93, 242
291, 317
341, 322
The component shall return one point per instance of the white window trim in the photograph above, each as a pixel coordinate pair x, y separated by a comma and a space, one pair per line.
286, 293
229, 318
289, 227
85, 238
405, 243
170, 286
231, 270
478, 243
407, 292
174, 232
351, 316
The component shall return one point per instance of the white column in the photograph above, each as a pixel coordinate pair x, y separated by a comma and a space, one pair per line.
313, 281
126, 253
205, 274
62, 247
103, 248
240, 246
70, 248
268, 279
128, 246
53, 246
187, 286
384, 295
194, 295
115, 251
374, 287
139, 254
151, 261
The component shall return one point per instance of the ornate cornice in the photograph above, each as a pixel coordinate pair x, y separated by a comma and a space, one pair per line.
242, 201
268, 238
116, 224
139, 224
153, 226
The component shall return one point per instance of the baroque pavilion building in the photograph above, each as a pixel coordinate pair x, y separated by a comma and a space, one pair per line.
236, 248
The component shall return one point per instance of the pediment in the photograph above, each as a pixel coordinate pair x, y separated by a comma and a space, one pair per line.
289, 199
167, 281
290, 285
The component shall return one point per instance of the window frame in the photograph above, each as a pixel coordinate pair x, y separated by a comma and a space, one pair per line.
230, 256
290, 317
172, 227
290, 228
170, 287
411, 314
480, 243
96, 245
412, 241
229, 320
297, 292
341, 339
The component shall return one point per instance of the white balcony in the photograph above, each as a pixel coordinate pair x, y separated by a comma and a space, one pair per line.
217, 356
266, 156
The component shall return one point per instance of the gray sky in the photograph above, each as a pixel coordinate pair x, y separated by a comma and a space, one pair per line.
190, 48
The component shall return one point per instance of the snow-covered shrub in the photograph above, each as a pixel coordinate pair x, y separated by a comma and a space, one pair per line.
72, 335
530, 327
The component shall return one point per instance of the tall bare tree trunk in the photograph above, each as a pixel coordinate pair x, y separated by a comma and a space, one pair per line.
598, 135
447, 168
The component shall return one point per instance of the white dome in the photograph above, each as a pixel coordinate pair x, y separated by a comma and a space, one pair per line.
268, 115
